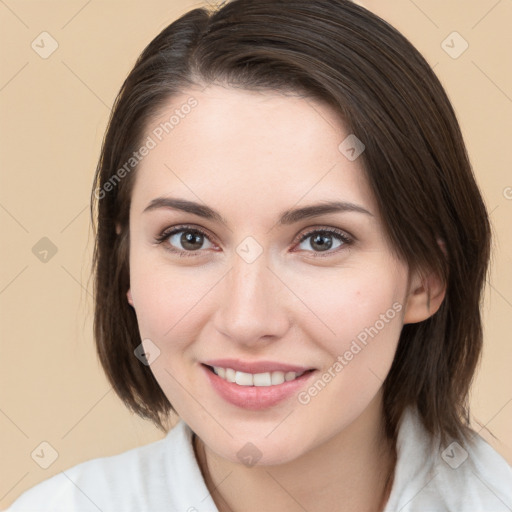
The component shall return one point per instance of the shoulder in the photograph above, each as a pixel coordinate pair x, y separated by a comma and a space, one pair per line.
472, 477
151, 477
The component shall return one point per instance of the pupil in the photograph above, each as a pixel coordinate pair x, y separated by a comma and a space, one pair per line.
317, 239
189, 238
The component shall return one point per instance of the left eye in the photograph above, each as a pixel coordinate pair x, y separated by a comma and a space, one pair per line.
322, 239
192, 240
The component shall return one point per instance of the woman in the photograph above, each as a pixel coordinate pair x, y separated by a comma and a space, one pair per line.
290, 254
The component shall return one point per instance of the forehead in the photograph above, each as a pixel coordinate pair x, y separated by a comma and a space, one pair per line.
233, 146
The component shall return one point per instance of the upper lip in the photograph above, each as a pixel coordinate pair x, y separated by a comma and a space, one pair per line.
256, 366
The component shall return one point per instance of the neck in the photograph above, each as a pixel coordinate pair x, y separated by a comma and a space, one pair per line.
351, 472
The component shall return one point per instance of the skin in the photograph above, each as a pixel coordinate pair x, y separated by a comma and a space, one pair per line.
250, 156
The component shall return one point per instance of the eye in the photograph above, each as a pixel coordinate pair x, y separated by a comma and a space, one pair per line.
322, 241
190, 239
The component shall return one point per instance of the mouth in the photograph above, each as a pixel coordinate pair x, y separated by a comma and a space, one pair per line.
264, 379
258, 391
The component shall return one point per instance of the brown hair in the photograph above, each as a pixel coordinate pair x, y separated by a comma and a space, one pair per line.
415, 160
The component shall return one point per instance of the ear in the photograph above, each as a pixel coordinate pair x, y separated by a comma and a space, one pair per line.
118, 228
426, 294
129, 297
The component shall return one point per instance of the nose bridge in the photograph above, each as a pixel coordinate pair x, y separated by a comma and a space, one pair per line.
251, 305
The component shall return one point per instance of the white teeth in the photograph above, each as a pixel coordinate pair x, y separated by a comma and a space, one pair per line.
244, 379
277, 378
289, 376
258, 379
230, 374
262, 379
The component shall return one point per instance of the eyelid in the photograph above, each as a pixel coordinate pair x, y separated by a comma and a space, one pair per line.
346, 238
325, 229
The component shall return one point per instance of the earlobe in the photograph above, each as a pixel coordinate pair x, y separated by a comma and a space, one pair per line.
129, 296
425, 297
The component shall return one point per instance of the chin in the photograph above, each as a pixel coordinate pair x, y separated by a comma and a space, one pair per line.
258, 450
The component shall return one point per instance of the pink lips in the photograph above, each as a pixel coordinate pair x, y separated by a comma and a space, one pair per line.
256, 366
255, 397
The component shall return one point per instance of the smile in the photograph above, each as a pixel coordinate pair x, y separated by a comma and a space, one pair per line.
255, 391
255, 379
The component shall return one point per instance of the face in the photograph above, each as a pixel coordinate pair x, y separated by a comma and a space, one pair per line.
270, 292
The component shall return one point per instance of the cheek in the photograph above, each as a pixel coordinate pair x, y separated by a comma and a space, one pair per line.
349, 304
366, 319
357, 323
168, 302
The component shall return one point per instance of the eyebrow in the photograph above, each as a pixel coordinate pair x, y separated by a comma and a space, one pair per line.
290, 216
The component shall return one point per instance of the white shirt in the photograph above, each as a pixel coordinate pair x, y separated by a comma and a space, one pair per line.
164, 476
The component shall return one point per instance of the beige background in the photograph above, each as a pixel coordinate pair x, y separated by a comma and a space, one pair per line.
54, 112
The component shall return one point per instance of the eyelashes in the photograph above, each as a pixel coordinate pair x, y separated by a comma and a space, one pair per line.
166, 234
196, 235
331, 233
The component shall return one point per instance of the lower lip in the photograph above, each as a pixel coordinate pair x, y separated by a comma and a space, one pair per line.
255, 397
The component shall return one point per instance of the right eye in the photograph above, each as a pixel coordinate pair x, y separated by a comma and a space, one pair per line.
186, 236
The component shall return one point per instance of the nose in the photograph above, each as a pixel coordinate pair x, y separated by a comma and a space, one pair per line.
253, 303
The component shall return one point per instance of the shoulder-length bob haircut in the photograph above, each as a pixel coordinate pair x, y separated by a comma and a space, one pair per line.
415, 161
